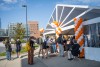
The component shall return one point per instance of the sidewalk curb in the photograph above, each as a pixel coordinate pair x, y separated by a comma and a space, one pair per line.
22, 55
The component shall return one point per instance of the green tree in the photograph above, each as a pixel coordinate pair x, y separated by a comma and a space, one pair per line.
19, 32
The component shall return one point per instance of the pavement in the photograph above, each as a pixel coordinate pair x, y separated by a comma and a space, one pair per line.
22, 55
52, 61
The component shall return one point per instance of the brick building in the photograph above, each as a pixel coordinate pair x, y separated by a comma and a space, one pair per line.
33, 28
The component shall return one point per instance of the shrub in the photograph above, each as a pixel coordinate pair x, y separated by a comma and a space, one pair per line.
3, 54
23, 50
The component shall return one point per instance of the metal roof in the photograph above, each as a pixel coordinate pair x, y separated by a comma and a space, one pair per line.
65, 14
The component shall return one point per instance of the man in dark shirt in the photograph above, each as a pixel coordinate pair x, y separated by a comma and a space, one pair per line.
75, 49
18, 47
60, 43
31, 51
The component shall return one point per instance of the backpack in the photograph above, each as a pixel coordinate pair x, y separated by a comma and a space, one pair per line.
8, 47
60, 40
27, 47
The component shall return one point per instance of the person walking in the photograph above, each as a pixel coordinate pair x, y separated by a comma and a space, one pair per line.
8, 49
18, 47
60, 43
31, 51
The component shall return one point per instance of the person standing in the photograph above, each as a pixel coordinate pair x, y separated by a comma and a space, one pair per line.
31, 51
60, 43
53, 45
69, 48
48, 44
8, 49
18, 47
75, 49
64, 43
40, 42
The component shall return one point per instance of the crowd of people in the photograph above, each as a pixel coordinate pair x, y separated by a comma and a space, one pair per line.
59, 46
47, 46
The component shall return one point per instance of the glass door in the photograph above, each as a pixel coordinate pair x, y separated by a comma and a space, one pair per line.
93, 35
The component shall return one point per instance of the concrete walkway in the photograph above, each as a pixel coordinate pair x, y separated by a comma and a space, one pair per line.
63, 62
50, 62
14, 56
21, 62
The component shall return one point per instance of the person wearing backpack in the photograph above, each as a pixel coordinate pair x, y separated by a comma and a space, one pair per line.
8, 49
31, 50
60, 43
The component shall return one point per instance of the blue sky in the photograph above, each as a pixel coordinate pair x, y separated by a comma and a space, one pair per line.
11, 11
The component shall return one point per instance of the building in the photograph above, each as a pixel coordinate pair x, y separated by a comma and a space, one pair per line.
33, 28
11, 27
0, 23
91, 20
3, 34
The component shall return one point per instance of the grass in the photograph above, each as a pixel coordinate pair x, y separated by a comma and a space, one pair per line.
23, 50
3, 54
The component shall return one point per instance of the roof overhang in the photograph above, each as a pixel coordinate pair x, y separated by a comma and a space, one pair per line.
65, 14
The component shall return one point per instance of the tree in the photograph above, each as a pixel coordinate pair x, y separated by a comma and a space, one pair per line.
19, 31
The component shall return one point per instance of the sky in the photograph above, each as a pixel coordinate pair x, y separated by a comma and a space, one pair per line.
11, 11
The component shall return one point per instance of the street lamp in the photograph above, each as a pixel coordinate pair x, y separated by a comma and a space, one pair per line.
26, 21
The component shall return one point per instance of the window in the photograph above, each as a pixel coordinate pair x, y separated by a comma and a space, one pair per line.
99, 29
99, 34
93, 33
86, 30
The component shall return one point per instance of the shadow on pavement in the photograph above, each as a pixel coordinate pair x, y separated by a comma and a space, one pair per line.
37, 63
55, 61
2, 59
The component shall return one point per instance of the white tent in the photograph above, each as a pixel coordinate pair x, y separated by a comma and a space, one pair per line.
65, 14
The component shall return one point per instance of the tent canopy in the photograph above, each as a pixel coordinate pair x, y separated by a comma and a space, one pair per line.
65, 14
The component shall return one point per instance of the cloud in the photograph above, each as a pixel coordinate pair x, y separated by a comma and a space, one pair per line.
89, 1
83, 2
22, 2
10, 1
4, 7
11, 4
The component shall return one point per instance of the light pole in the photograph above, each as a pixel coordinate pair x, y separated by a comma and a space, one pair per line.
26, 21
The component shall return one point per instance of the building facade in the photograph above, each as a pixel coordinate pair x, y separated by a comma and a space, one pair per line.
11, 27
33, 28
3, 34
0, 23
